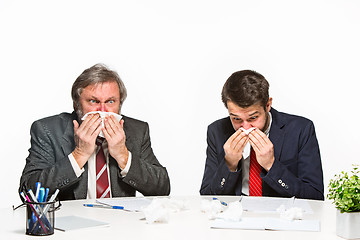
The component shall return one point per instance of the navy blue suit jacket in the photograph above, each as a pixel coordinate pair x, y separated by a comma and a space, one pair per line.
296, 171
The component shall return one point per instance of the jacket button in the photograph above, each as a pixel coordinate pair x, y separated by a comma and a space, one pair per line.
132, 182
222, 182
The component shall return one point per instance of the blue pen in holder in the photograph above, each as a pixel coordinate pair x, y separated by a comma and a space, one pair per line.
40, 218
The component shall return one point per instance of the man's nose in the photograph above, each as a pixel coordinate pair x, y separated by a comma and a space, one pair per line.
246, 125
102, 107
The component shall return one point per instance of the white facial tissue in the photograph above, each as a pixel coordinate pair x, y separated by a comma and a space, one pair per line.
248, 131
102, 115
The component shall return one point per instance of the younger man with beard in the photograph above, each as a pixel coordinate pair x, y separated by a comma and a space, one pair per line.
258, 151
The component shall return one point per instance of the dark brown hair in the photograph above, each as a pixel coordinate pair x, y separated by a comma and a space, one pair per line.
246, 88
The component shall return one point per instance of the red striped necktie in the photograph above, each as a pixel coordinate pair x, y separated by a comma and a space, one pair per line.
102, 179
255, 182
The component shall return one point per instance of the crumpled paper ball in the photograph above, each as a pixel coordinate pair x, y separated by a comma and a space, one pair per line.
160, 208
215, 209
294, 213
232, 213
211, 207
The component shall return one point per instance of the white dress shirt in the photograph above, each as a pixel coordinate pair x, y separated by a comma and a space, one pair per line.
245, 164
91, 193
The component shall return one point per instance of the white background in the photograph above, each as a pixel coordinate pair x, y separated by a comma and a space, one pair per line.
174, 57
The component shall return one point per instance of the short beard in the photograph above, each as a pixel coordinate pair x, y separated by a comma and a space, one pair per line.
79, 113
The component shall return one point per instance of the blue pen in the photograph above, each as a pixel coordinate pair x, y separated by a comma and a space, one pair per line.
46, 194
52, 198
223, 203
41, 195
103, 206
46, 209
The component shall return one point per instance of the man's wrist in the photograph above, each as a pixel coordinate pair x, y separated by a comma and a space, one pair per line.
232, 167
79, 157
123, 160
78, 171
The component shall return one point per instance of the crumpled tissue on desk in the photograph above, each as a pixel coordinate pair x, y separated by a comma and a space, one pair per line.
294, 213
160, 208
215, 210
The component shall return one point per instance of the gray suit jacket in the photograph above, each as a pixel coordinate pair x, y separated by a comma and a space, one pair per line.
52, 140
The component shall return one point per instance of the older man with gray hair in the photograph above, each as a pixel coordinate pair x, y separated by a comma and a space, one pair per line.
94, 152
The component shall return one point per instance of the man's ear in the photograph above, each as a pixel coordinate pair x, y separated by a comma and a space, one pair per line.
74, 106
268, 104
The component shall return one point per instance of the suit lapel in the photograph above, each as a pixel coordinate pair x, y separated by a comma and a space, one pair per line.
276, 134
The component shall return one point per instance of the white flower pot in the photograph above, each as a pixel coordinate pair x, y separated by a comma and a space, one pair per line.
348, 225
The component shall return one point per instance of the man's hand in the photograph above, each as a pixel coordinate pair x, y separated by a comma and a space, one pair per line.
234, 148
263, 148
115, 136
85, 137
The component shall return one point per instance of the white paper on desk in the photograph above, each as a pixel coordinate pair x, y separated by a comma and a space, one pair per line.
245, 223
294, 225
271, 204
68, 223
129, 204
269, 224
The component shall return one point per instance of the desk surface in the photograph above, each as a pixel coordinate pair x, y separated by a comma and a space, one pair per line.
187, 224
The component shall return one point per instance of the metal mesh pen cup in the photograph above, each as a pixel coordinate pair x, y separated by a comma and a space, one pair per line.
40, 218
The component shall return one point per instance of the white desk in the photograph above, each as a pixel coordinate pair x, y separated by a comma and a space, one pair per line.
188, 224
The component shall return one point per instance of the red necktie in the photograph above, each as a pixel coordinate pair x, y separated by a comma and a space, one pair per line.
102, 179
255, 182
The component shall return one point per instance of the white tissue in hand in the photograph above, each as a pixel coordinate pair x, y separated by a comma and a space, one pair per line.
232, 213
160, 208
102, 115
294, 213
247, 132
211, 207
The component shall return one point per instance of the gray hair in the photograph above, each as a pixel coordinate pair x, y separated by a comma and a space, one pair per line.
99, 73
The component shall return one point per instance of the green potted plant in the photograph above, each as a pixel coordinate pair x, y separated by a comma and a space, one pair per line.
344, 190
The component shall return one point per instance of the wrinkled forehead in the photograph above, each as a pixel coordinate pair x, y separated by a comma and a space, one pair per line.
102, 91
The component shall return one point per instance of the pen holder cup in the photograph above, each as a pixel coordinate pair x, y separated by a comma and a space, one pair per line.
40, 218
